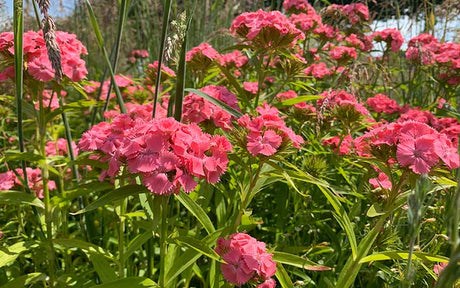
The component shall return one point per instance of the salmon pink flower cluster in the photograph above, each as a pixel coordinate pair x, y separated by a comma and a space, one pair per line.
392, 37
60, 147
166, 154
318, 70
355, 12
380, 103
246, 260
202, 56
306, 21
197, 109
152, 69
295, 6
36, 56
341, 98
417, 145
266, 29
290, 94
267, 132
138, 54
34, 179
343, 53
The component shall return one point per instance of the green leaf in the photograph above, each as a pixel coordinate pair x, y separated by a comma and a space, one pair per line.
294, 260
85, 246
18, 197
25, 280
105, 272
24, 156
189, 258
197, 211
78, 105
375, 210
283, 277
224, 106
300, 99
197, 244
114, 196
130, 282
9, 254
137, 242
400, 255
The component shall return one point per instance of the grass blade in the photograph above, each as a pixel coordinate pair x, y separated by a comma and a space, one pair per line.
167, 8
100, 43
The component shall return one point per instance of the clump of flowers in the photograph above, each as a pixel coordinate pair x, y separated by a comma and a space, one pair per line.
166, 154
247, 261
415, 145
295, 6
202, 56
392, 37
138, 54
267, 133
59, 147
266, 29
37, 63
422, 49
306, 21
343, 54
49, 99
34, 179
380, 103
318, 70
122, 81
152, 70
335, 99
198, 110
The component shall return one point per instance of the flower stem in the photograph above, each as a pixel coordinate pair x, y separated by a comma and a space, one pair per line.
163, 236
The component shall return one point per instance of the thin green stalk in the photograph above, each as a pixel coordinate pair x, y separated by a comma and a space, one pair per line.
121, 238
167, 9
121, 20
101, 45
163, 236
18, 22
46, 193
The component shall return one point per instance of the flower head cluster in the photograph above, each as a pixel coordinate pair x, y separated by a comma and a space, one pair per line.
152, 70
391, 36
202, 56
166, 154
380, 103
306, 21
92, 89
334, 99
234, 58
318, 70
36, 56
59, 147
343, 53
197, 109
355, 13
267, 132
417, 145
266, 29
138, 54
246, 260
34, 179
296, 6
422, 49
49, 99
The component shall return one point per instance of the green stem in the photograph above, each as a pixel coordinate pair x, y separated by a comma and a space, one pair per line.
247, 195
167, 9
163, 236
46, 192
121, 238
